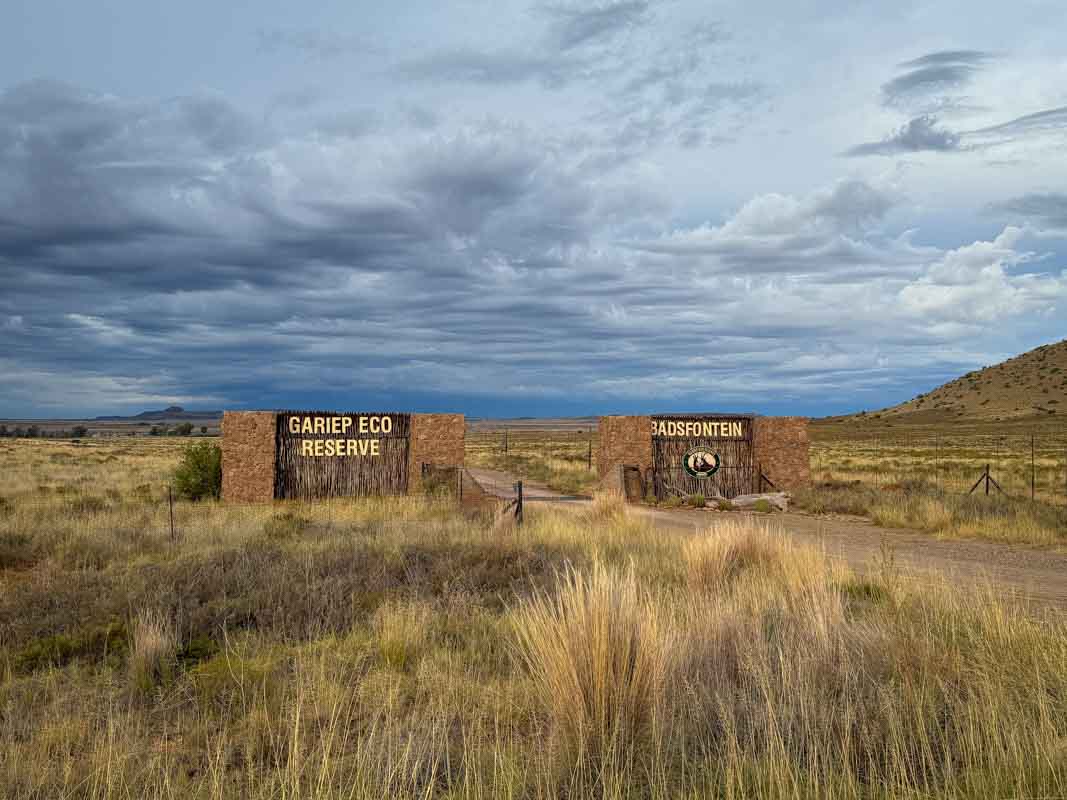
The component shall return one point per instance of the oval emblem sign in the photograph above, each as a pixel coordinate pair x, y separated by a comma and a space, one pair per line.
700, 462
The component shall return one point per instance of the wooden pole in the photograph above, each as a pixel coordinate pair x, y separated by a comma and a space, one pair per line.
170, 502
987, 479
589, 456
518, 502
505, 440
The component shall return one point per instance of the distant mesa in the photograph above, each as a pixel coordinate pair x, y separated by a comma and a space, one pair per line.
169, 413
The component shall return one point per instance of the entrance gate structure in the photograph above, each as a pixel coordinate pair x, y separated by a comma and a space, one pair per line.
727, 437
674, 455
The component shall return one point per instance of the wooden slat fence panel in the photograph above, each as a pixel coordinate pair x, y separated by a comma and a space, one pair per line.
312, 477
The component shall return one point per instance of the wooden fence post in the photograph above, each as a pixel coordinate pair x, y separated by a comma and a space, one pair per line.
170, 502
518, 502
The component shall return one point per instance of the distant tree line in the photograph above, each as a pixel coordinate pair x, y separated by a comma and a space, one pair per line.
82, 432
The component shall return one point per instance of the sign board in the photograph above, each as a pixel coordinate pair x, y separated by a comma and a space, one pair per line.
329, 454
702, 454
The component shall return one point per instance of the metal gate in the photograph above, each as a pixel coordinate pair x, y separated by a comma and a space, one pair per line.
727, 436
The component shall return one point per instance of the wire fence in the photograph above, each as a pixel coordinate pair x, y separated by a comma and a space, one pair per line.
1020, 466
577, 446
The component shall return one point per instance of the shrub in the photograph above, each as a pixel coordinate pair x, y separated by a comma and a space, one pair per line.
695, 500
153, 651
598, 653
763, 506
199, 474
183, 429
672, 502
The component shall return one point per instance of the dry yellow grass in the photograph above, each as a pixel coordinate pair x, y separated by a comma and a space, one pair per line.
395, 648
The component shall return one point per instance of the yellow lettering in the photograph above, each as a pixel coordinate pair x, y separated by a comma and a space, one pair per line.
318, 447
387, 424
305, 447
346, 423
374, 447
294, 424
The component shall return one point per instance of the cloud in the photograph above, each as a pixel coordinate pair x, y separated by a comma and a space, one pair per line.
574, 27
205, 261
1046, 210
472, 65
928, 83
312, 43
974, 285
1053, 119
917, 135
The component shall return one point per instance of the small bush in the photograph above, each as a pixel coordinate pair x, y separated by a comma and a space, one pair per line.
672, 502
58, 650
724, 505
695, 500
199, 475
763, 506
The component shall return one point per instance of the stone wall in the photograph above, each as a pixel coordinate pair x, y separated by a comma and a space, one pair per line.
248, 450
435, 439
781, 450
623, 440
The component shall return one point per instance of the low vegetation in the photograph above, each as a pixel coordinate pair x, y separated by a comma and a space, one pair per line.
561, 460
397, 648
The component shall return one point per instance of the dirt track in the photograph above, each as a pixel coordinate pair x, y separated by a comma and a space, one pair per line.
1017, 571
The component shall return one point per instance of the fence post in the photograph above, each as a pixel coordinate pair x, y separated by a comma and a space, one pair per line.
518, 502
589, 456
170, 502
505, 441
1033, 474
987, 479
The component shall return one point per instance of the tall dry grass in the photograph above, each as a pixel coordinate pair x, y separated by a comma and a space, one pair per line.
396, 648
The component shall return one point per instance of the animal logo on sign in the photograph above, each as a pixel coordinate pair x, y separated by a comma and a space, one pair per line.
700, 462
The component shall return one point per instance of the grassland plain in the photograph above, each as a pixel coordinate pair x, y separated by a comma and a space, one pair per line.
397, 648
911, 477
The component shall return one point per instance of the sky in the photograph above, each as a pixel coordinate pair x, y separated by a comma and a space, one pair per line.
525, 209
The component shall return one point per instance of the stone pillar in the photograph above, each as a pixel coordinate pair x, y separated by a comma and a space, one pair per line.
623, 440
435, 439
780, 448
248, 451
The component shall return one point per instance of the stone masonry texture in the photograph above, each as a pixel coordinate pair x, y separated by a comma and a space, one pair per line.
248, 450
623, 440
781, 450
435, 439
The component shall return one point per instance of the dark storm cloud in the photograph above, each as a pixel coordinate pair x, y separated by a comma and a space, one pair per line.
931, 79
172, 252
917, 135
